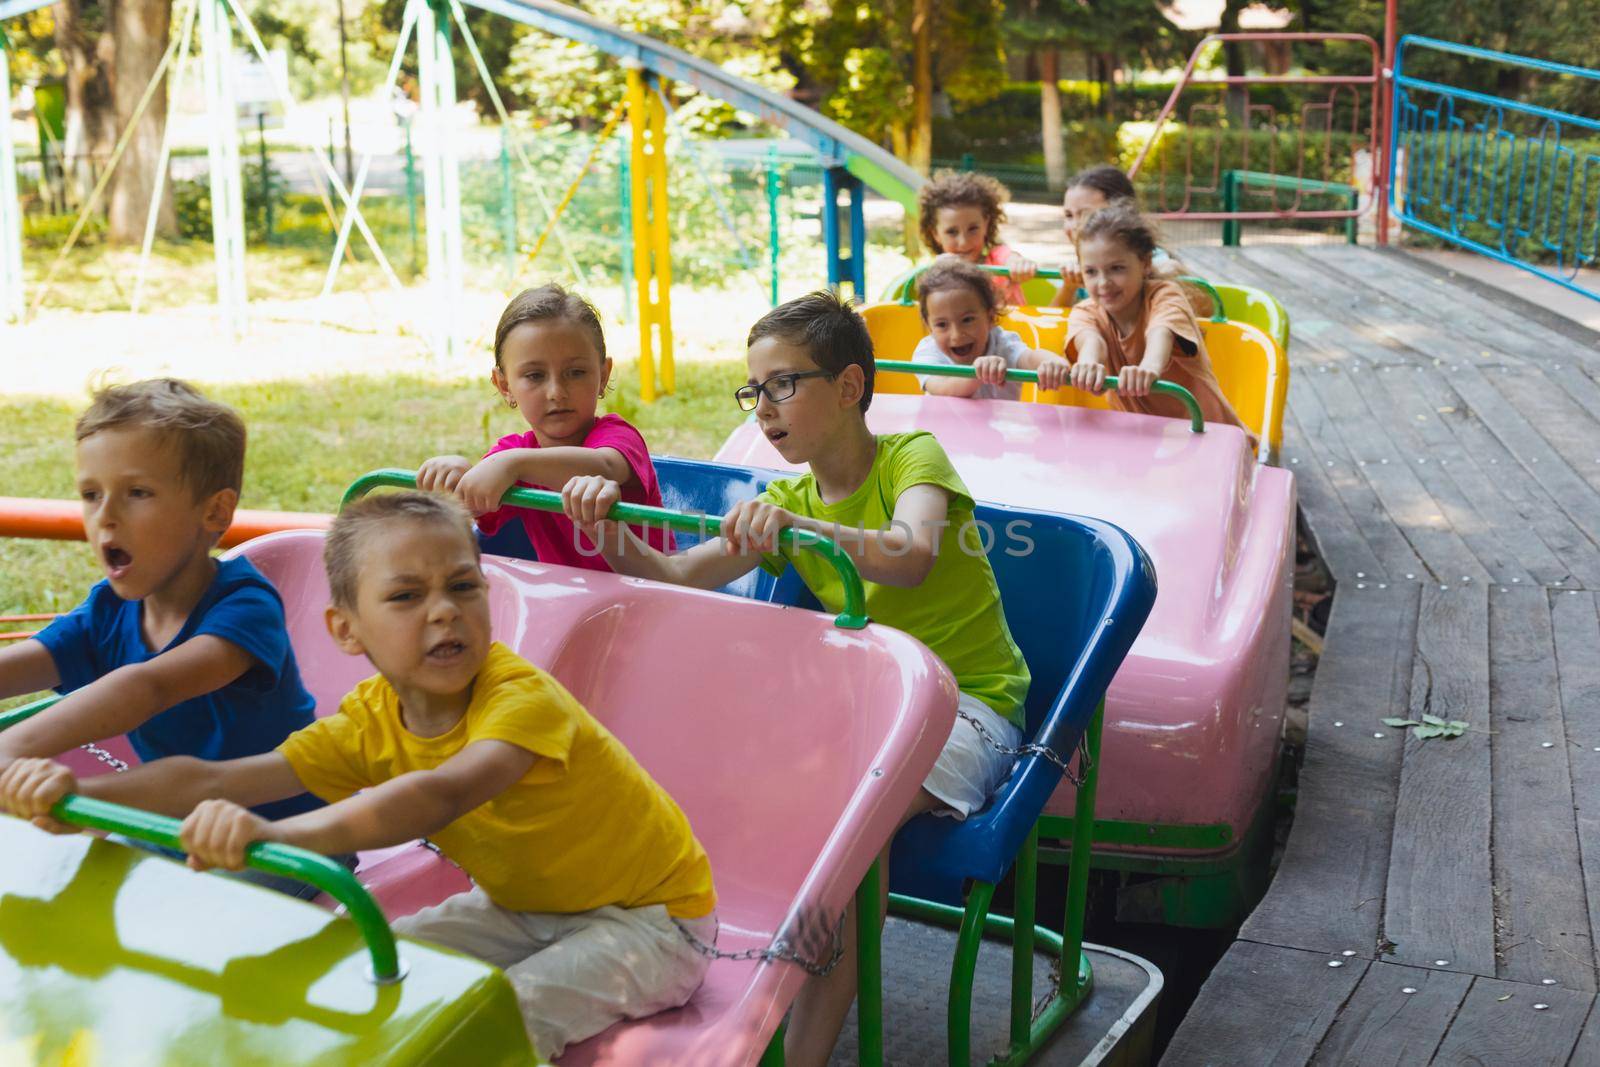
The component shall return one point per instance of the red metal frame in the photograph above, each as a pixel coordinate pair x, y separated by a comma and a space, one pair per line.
1338, 83
62, 520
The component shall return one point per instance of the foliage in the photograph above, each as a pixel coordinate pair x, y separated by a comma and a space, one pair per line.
1431, 726
858, 58
563, 81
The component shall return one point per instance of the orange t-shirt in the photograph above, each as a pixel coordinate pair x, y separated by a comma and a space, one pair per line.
1165, 304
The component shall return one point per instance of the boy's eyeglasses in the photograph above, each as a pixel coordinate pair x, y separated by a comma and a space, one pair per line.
779, 387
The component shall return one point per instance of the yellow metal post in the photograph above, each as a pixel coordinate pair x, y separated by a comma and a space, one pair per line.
661, 237
652, 261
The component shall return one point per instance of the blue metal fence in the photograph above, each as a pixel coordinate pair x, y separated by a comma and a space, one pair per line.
1515, 181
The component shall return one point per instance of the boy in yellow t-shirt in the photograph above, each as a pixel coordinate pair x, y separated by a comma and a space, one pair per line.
897, 506
590, 889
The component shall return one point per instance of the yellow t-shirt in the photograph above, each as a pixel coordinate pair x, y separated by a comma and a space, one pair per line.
586, 827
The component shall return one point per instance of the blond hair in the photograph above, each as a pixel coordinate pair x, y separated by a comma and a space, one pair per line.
208, 437
342, 550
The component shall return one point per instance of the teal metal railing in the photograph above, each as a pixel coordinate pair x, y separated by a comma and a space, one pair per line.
1516, 181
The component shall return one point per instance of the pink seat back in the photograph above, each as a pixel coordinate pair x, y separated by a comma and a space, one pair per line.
792, 746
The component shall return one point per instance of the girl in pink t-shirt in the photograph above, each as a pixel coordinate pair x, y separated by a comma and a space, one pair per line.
550, 364
960, 215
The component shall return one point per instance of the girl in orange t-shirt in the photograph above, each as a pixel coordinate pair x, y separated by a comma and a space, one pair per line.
960, 215
1136, 326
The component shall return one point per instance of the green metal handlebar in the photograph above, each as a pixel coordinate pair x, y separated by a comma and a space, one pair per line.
1042, 272
10, 718
853, 617
1217, 312
327, 875
1197, 422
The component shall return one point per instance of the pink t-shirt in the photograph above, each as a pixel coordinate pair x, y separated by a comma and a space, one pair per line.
1008, 290
552, 535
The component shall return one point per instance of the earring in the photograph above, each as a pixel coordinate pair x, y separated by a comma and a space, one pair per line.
511, 401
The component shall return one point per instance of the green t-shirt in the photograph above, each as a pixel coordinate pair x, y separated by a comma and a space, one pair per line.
956, 610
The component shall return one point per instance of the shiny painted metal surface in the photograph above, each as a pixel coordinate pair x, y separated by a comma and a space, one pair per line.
1193, 718
131, 959
792, 745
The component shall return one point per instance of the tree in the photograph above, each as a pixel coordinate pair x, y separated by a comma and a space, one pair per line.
1044, 27
111, 50
84, 40
139, 30
878, 68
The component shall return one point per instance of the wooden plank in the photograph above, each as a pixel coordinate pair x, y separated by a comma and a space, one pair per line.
1541, 908
1540, 514
1328, 893
1587, 1052
1439, 903
1577, 636
1504, 322
1472, 503
1537, 459
1491, 1030
1350, 306
1391, 473
1263, 1005
1332, 530
1572, 431
1396, 296
1382, 1025
1395, 554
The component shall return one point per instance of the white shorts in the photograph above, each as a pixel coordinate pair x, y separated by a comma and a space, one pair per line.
969, 769
574, 975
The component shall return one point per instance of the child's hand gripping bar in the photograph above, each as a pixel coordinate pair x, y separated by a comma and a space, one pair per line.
327, 875
853, 617
1197, 422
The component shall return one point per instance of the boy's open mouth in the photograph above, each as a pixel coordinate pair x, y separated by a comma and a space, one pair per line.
775, 435
963, 351
447, 650
117, 560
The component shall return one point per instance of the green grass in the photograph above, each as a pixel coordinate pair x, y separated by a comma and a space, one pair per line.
308, 440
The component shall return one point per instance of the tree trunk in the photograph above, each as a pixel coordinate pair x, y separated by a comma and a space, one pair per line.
140, 29
921, 147
1233, 52
1055, 155
83, 38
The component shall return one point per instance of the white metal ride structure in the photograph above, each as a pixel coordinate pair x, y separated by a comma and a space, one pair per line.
850, 162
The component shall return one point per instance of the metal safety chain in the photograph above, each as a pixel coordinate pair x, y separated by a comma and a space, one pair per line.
778, 952
1044, 752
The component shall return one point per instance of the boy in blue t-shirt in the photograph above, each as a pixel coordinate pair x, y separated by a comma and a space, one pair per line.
184, 653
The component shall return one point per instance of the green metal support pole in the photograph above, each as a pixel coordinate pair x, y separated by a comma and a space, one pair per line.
773, 1056
411, 201
625, 205
958, 1024
266, 170
11, 301
869, 969
508, 207
774, 177
1023, 910
1350, 223
1082, 844
441, 174
1230, 202
222, 151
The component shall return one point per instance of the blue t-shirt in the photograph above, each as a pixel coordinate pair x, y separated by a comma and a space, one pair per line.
247, 717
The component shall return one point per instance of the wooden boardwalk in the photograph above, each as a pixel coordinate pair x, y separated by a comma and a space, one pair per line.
1437, 900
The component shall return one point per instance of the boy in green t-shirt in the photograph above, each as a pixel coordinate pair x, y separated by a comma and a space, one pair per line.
897, 506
